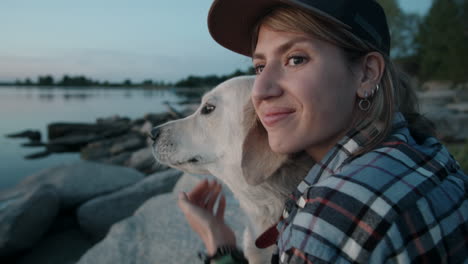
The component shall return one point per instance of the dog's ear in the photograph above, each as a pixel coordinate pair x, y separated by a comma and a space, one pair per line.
258, 162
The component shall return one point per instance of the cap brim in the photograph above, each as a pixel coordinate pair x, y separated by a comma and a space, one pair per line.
230, 22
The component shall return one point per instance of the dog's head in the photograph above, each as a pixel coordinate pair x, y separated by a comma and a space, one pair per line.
224, 132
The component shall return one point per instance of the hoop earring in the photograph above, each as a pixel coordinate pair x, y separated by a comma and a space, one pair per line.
364, 103
374, 91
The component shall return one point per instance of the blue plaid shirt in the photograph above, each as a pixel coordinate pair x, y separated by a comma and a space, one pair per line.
404, 202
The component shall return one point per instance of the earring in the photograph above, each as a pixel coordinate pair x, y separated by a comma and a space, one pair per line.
364, 103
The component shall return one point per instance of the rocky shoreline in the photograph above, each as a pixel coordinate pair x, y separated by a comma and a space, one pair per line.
114, 140
56, 215
117, 205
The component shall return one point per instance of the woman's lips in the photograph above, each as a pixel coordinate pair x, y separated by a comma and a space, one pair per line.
273, 116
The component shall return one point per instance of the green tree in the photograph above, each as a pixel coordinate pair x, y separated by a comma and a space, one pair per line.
45, 80
127, 82
443, 41
403, 28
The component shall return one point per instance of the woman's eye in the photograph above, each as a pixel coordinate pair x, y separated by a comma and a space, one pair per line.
207, 108
296, 60
259, 69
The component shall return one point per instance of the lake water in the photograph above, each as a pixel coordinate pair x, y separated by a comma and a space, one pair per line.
24, 108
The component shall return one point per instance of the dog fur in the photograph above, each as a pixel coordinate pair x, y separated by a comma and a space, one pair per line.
231, 144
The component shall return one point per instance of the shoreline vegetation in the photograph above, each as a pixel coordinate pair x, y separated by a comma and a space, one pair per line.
192, 81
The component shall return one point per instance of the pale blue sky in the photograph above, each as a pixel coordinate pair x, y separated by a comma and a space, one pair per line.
116, 39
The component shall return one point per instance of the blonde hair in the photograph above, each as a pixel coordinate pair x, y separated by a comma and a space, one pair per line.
395, 93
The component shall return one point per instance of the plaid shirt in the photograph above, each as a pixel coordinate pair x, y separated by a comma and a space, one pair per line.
403, 202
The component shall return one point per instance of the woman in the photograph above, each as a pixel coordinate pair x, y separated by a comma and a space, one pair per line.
383, 189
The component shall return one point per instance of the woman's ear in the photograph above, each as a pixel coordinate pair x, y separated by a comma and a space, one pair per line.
372, 67
258, 161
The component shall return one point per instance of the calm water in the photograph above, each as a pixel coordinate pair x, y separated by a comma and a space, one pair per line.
34, 108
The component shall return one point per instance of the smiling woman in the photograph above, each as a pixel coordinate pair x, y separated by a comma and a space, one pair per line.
294, 69
326, 86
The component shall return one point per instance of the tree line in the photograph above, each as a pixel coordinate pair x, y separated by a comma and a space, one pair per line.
83, 81
434, 46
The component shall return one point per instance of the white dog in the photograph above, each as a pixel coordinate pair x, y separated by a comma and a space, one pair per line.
224, 138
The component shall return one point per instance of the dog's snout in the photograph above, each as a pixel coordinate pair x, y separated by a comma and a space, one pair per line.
154, 134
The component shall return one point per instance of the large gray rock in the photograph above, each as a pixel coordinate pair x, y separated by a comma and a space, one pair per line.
84, 180
98, 215
25, 215
158, 233
62, 248
450, 125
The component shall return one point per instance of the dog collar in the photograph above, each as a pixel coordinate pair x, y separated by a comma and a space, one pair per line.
269, 237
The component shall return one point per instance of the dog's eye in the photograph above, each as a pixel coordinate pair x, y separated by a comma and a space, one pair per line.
207, 108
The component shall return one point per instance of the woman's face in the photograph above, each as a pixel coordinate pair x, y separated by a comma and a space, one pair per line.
304, 92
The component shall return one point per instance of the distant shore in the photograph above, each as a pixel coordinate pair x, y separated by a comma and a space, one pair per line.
66, 81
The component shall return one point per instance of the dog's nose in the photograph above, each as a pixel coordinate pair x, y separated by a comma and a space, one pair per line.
154, 134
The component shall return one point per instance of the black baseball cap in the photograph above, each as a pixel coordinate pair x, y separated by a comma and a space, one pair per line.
231, 22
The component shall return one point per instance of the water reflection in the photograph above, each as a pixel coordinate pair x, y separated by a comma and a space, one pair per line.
46, 97
35, 108
80, 96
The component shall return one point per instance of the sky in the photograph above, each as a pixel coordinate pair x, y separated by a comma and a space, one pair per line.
116, 39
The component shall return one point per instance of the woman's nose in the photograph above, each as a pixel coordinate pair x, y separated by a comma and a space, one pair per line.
266, 85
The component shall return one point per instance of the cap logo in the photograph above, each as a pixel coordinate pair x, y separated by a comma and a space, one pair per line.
368, 28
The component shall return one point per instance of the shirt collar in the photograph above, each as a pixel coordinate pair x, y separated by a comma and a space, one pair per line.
335, 158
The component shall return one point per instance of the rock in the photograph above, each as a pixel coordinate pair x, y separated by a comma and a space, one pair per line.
33, 144
146, 128
72, 142
157, 233
158, 119
98, 215
84, 180
131, 143
437, 85
144, 161
61, 248
58, 130
96, 151
461, 95
37, 155
33, 135
113, 120
436, 98
461, 107
25, 215
138, 122
120, 159
104, 149
450, 125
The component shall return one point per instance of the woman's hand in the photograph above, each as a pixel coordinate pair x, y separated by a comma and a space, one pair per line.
198, 206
